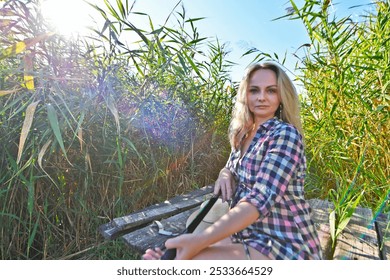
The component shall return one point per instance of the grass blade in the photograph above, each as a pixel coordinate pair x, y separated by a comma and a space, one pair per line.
42, 153
6, 92
53, 120
26, 128
114, 111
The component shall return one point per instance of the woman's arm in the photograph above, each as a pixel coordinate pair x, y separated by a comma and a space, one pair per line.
238, 218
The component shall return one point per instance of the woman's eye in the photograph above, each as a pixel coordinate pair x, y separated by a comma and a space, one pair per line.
253, 90
272, 90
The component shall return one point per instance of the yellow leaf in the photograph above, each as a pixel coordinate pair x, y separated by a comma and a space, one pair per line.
28, 69
29, 82
12, 50
21, 46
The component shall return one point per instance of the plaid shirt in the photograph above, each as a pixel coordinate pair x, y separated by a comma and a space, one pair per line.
271, 177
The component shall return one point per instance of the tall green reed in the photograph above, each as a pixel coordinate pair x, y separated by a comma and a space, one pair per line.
345, 106
344, 70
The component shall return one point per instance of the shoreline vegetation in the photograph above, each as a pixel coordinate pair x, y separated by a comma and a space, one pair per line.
95, 128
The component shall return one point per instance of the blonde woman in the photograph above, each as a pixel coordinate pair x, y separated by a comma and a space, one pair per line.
264, 177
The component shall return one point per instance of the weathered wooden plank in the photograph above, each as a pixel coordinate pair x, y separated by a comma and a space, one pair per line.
109, 231
168, 208
184, 199
148, 237
320, 216
358, 241
121, 225
320, 209
383, 229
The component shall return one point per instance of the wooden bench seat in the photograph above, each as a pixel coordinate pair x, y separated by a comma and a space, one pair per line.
365, 238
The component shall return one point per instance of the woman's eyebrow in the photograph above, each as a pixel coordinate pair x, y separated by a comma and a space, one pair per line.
270, 86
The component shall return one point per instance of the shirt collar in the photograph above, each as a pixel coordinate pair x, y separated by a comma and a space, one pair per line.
270, 123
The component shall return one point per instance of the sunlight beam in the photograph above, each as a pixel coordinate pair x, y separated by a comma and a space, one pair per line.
70, 17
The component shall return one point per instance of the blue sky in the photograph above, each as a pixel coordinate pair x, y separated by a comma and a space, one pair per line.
241, 24
247, 23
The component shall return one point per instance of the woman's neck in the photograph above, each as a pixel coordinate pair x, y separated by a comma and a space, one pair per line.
260, 121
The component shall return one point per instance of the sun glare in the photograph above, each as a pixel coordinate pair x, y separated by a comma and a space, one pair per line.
67, 17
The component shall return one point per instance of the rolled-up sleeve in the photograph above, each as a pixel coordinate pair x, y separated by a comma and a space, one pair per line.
276, 168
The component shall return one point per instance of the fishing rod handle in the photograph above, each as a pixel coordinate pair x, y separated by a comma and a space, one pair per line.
169, 254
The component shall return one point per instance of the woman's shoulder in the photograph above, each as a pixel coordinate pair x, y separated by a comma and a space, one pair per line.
284, 129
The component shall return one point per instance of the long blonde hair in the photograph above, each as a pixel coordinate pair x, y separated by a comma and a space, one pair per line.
243, 120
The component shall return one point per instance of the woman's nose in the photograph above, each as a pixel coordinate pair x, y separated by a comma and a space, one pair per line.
261, 96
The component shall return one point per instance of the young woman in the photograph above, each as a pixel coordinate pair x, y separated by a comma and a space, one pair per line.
264, 176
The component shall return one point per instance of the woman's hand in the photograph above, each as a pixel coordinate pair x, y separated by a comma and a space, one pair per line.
224, 184
151, 254
187, 246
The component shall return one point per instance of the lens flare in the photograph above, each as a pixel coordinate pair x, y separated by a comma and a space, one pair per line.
69, 17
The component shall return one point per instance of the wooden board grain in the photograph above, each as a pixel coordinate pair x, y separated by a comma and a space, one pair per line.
148, 237
320, 216
133, 221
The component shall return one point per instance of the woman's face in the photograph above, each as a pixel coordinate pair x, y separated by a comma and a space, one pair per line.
263, 95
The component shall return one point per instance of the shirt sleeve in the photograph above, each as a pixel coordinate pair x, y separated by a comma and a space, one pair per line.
230, 162
284, 154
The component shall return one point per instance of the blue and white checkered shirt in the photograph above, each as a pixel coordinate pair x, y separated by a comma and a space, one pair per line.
271, 176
